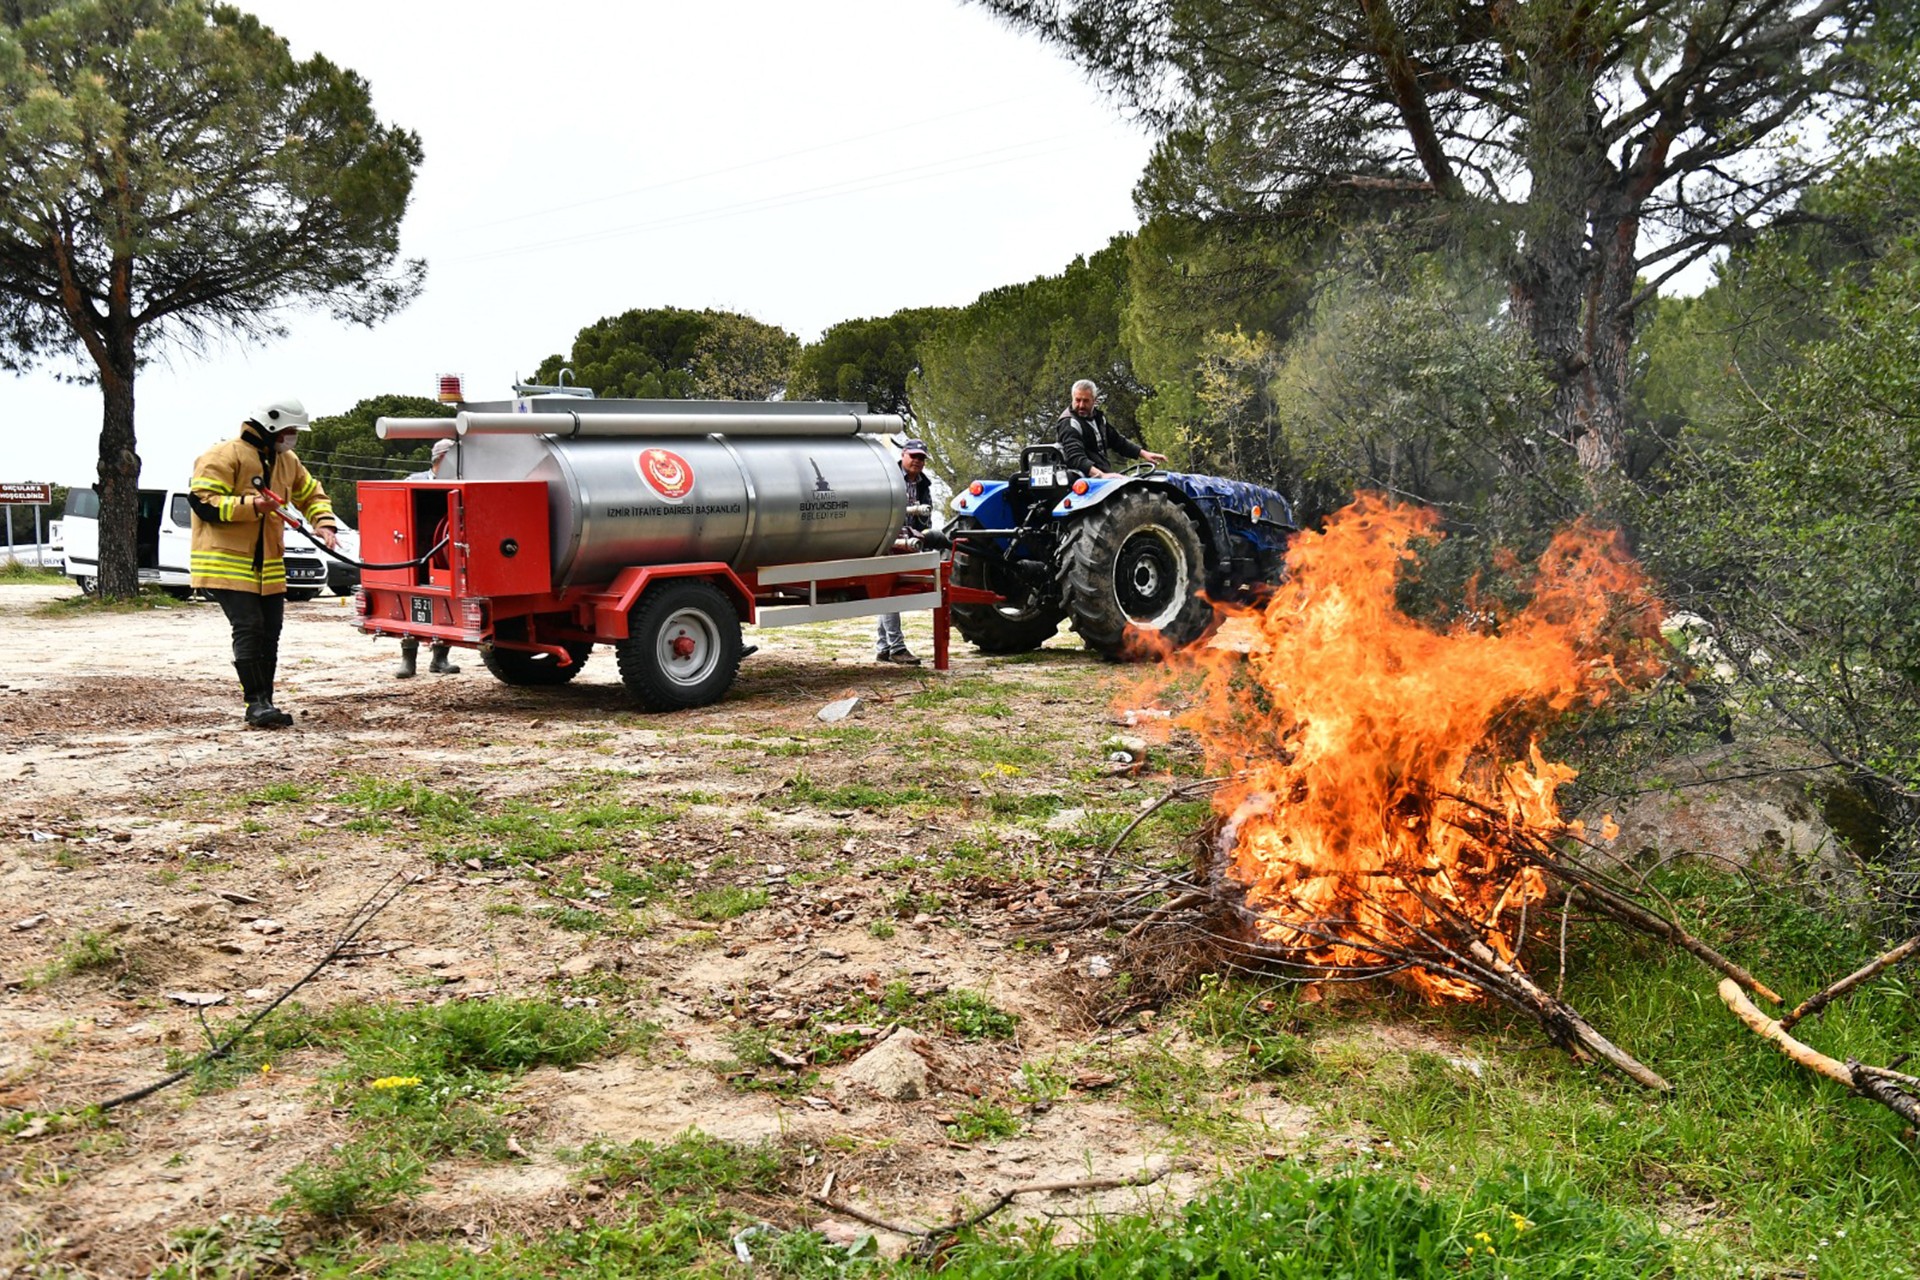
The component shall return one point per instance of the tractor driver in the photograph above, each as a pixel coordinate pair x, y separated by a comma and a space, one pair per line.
1086, 438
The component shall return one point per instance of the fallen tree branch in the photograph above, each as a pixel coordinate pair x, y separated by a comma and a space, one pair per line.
1604, 898
1180, 792
1146, 1177
1563, 1022
1814, 1004
363, 916
1867, 1082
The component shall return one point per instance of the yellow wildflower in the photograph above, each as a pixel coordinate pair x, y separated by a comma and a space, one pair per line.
1520, 1222
395, 1082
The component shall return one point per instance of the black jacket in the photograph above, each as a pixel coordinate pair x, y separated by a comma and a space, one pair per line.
919, 494
1085, 443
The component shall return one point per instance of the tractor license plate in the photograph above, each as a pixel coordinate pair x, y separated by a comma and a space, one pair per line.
422, 607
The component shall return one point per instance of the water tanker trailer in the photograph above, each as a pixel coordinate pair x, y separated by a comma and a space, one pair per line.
654, 526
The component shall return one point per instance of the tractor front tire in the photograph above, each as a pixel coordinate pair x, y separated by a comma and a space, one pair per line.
998, 629
531, 670
682, 648
1132, 571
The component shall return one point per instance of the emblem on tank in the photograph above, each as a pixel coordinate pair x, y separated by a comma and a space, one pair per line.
666, 473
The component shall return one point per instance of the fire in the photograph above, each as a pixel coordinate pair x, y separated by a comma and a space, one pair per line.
1375, 760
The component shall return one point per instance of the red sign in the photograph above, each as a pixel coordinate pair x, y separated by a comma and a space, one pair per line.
666, 473
25, 494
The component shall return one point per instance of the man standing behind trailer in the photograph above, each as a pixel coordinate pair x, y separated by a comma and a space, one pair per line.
410, 645
889, 644
238, 543
1086, 437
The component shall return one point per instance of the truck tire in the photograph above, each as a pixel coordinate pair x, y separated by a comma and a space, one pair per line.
682, 648
1134, 565
531, 670
997, 628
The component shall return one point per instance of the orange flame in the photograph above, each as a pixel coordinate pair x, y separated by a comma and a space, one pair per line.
1372, 755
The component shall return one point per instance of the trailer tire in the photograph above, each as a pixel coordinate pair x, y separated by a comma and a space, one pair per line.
532, 670
995, 629
682, 648
1133, 567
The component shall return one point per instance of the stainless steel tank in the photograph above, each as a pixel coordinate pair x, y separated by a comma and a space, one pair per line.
746, 502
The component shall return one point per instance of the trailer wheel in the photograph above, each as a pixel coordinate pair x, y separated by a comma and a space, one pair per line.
531, 670
682, 648
1132, 567
998, 628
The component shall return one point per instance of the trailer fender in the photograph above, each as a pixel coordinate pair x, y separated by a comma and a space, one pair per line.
610, 607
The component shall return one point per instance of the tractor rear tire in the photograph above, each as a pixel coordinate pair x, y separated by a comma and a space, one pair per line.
531, 670
682, 648
1132, 571
998, 629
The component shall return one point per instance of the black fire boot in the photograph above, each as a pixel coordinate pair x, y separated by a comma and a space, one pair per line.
261, 713
440, 666
409, 654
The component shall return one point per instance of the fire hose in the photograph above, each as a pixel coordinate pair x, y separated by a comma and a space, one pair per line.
280, 509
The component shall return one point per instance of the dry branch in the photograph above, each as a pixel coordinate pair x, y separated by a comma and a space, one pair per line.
1564, 1023
1872, 968
1868, 1082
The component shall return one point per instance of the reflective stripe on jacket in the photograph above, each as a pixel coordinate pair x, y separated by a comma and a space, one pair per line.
238, 549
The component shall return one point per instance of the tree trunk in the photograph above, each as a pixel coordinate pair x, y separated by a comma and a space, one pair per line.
119, 476
1574, 270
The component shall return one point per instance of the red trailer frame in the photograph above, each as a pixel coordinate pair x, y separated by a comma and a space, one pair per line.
486, 561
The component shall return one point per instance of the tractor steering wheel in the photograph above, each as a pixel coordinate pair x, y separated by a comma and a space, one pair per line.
1140, 469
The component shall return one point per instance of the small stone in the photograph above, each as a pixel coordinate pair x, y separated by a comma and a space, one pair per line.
29, 922
839, 709
201, 999
265, 925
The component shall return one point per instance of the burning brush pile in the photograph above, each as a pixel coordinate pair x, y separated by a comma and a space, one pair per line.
1385, 810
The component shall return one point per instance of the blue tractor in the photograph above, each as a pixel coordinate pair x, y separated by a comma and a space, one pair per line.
1134, 562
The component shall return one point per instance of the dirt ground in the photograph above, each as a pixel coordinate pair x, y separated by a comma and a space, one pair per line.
125, 774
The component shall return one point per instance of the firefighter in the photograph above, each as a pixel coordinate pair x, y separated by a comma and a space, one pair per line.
236, 493
410, 645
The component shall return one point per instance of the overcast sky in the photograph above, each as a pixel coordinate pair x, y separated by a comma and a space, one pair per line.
803, 162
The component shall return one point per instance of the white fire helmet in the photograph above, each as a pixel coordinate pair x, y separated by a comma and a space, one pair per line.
276, 416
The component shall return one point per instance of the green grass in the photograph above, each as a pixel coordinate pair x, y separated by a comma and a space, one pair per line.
457, 825
18, 573
1763, 1163
983, 1120
693, 1166
87, 952
686, 1204
421, 1084
855, 795
728, 902
1286, 1224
